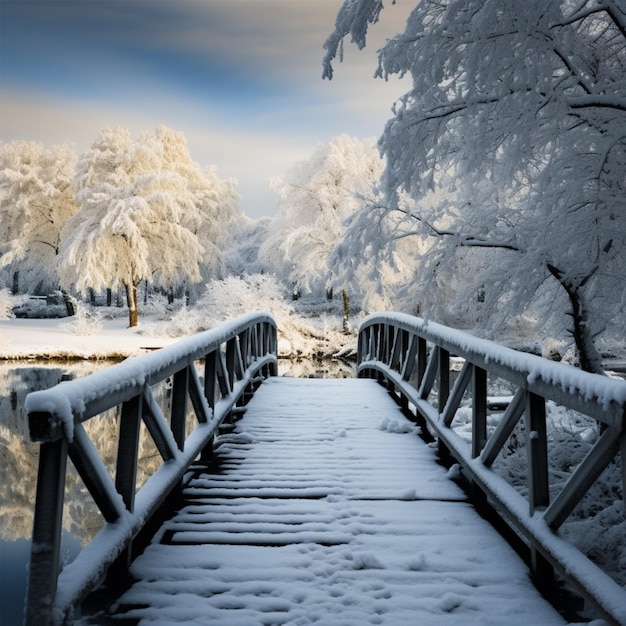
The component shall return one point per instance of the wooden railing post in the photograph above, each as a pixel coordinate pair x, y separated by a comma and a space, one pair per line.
537, 444
210, 378
231, 359
479, 410
128, 451
538, 483
180, 385
126, 465
47, 526
422, 357
444, 378
479, 427
272, 368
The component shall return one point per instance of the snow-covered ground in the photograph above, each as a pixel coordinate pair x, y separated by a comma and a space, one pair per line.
57, 338
103, 332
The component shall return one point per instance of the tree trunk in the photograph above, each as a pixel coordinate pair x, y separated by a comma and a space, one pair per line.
69, 305
16, 283
588, 356
131, 299
346, 311
109, 296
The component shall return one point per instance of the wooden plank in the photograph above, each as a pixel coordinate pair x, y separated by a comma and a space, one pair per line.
319, 514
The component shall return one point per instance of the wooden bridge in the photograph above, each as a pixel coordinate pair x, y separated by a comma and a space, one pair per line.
302, 501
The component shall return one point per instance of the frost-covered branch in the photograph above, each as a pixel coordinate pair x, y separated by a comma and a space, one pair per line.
599, 101
461, 239
354, 18
614, 11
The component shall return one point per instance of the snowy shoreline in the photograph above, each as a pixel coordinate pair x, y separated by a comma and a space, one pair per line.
54, 339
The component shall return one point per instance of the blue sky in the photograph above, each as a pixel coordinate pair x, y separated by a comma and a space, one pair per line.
240, 78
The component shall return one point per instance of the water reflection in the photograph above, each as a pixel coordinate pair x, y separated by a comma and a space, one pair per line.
19, 462
18, 456
318, 368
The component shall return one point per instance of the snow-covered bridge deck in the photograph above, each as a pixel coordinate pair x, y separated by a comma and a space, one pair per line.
324, 506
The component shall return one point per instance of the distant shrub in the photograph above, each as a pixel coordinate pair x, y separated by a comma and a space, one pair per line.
86, 321
299, 336
38, 308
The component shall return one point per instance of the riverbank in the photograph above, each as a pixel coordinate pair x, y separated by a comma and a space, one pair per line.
41, 339
79, 339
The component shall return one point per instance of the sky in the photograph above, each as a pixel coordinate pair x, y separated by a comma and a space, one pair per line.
240, 78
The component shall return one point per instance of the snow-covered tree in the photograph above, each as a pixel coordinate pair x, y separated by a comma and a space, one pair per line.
144, 206
375, 261
208, 204
245, 238
515, 119
36, 199
315, 198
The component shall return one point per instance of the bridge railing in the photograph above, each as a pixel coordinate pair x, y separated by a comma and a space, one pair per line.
413, 357
234, 358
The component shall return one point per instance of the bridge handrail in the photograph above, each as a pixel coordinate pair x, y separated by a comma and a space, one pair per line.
410, 354
237, 355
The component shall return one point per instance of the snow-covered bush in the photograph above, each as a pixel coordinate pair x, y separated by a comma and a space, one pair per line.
236, 295
157, 306
298, 336
86, 321
225, 299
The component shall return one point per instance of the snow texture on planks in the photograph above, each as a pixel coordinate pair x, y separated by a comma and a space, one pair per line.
329, 509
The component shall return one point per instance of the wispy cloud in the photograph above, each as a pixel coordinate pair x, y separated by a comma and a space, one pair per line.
241, 78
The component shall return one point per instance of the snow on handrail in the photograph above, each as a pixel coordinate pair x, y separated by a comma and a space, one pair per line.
237, 355
78, 400
412, 357
599, 396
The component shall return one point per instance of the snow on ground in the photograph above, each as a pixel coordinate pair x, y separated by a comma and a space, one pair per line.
103, 337
57, 338
329, 509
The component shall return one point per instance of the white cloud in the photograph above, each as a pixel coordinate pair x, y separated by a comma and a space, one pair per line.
274, 45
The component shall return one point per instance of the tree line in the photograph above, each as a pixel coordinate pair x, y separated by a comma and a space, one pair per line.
125, 211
